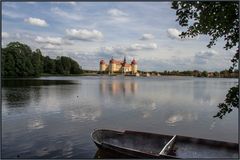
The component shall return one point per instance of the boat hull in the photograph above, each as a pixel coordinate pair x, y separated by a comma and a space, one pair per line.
126, 153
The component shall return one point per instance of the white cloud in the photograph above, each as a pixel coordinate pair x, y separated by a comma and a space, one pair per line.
147, 36
31, 2
36, 22
203, 57
12, 14
173, 33
136, 46
84, 34
10, 4
51, 40
52, 43
113, 50
50, 46
118, 15
5, 35
24, 35
64, 14
125, 49
209, 52
18, 35
107, 49
71, 3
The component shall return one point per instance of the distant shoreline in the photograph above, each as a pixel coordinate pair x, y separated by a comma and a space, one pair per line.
105, 75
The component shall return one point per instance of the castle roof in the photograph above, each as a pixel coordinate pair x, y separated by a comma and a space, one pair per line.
119, 62
102, 62
126, 65
134, 61
116, 61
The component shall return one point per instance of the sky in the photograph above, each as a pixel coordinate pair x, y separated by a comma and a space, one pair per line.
90, 31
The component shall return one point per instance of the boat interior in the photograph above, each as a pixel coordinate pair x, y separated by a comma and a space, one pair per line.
173, 146
187, 147
147, 143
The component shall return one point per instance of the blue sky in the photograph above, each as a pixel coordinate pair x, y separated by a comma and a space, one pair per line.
91, 31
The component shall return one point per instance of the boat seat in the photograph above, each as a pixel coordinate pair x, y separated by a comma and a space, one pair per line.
168, 146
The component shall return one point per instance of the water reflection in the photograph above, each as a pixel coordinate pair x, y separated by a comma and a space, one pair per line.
44, 119
33, 82
200, 92
35, 124
68, 149
17, 97
173, 119
145, 106
34, 93
117, 87
84, 113
212, 126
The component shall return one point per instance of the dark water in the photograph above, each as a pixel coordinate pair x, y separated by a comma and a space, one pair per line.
52, 117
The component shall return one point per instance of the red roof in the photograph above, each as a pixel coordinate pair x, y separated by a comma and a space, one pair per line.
127, 65
115, 61
134, 61
102, 62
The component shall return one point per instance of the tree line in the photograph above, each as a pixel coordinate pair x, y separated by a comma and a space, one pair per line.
18, 60
197, 73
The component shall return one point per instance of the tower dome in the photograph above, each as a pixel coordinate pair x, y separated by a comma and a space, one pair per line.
134, 62
102, 62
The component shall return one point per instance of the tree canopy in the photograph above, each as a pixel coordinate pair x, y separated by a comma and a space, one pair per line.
217, 20
18, 60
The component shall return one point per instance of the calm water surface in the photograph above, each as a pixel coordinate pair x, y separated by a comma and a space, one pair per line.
52, 117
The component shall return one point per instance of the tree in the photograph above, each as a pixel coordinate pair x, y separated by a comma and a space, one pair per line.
20, 55
66, 64
75, 68
59, 67
196, 73
204, 74
18, 60
8, 64
218, 20
216, 74
37, 62
49, 65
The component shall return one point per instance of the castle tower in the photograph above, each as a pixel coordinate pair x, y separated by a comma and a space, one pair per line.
124, 64
103, 66
134, 66
124, 60
112, 66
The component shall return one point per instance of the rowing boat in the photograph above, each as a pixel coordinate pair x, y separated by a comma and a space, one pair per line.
150, 145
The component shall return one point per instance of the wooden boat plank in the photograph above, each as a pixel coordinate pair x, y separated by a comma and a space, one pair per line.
166, 149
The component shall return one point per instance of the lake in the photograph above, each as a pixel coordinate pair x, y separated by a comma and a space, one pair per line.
53, 117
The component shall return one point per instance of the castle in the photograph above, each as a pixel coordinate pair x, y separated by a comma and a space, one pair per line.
116, 66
